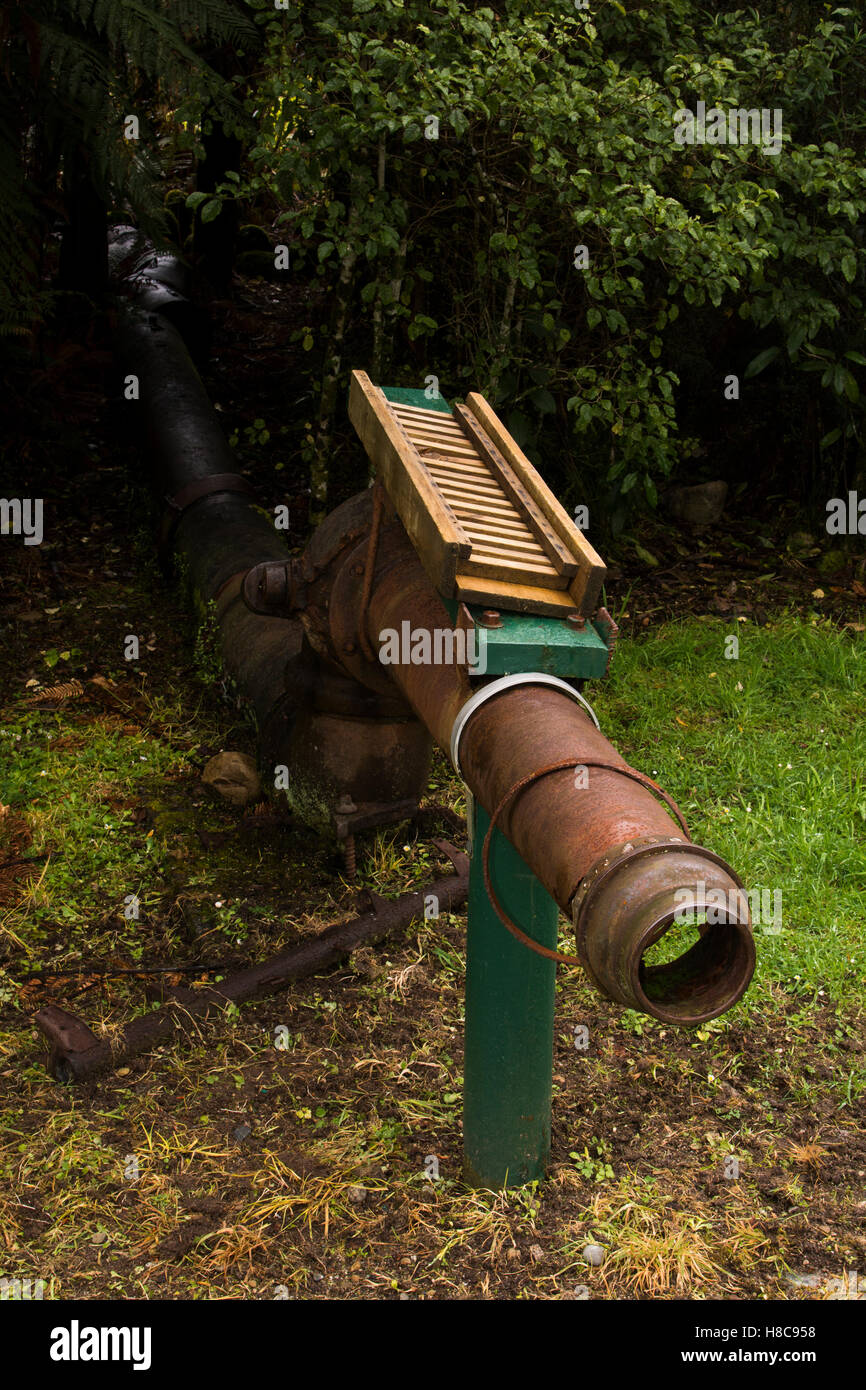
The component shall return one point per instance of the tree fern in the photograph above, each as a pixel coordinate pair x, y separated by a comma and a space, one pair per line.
75, 69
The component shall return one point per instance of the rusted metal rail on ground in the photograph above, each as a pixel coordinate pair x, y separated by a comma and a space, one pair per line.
77, 1054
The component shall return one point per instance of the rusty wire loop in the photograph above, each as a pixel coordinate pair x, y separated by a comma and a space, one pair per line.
369, 568
528, 780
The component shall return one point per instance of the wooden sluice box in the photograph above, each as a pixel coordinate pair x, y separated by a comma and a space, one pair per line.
487, 528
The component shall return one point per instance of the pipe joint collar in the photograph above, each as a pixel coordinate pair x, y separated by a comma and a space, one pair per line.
497, 687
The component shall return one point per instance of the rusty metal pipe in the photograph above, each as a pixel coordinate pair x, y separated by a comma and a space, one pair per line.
603, 846
314, 718
607, 852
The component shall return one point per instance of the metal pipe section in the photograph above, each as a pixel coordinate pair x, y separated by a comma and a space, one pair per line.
344, 744
211, 522
601, 844
354, 730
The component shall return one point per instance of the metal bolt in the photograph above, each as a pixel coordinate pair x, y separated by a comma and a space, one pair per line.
575, 620
349, 856
490, 618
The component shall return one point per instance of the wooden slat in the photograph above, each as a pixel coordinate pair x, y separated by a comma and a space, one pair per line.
453, 437
401, 408
485, 534
493, 565
444, 426
559, 554
453, 492
514, 567
469, 516
478, 487
469, 471
520, 598
585, 588
425, 444
434, 531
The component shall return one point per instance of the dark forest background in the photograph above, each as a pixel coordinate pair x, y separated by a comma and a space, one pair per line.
430, 169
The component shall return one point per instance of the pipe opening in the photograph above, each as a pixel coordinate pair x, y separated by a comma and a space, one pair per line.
691, 972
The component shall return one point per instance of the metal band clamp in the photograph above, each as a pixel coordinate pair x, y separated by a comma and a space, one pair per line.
506, 683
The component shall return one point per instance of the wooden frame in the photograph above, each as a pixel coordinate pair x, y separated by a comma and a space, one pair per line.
484, 523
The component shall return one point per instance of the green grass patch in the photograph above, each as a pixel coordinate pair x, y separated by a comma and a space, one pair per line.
766, 756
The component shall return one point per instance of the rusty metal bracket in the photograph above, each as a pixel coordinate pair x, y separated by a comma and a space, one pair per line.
608, 631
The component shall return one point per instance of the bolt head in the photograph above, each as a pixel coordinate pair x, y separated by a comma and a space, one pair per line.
575, 620
490, 618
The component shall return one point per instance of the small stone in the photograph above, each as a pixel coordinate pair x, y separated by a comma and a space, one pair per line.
234, 777
699, 506
404, 1298
428, 1190
536, 1254
242, 1132
99, 1239
512, 1253
357, 1194
593, 1254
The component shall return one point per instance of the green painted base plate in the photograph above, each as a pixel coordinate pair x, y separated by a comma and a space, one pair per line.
528, 642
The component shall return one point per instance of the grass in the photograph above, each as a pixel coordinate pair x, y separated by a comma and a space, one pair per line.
140, 1188
766, 757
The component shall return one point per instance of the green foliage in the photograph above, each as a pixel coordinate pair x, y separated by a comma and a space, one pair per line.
555, 131
74, 70
763, 754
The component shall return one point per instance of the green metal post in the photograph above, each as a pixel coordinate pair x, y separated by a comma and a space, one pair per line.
508, 1068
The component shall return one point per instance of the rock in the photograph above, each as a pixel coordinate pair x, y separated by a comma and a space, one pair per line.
593, 1254
234, 777
242, 1132
536, 1254
700, 506
832, 562
357, 1194
801, 543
